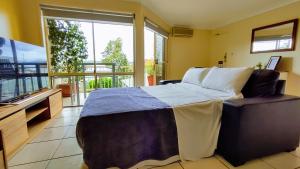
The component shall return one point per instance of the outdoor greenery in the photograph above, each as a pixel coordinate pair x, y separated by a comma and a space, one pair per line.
149, 67
68, 46
105, 82
113, 54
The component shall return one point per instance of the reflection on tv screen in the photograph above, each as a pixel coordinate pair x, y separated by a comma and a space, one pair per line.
23, 69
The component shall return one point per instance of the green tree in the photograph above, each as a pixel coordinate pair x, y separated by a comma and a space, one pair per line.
113, 54
68, 45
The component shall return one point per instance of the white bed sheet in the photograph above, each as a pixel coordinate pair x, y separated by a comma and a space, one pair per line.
197, 113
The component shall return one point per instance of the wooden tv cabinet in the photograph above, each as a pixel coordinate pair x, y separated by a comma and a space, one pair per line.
20, 122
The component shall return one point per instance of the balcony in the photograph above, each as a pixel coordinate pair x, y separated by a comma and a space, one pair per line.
77, 86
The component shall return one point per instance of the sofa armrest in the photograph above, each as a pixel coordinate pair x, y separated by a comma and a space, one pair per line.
256, 127
259, 100
164, 82
280, 87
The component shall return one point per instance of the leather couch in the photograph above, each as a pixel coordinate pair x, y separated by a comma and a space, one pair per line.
264, 122
257, 127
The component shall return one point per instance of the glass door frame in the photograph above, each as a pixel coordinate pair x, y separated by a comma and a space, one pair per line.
156, 60
52, 75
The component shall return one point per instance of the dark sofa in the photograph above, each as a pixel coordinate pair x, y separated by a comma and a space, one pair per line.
264, 122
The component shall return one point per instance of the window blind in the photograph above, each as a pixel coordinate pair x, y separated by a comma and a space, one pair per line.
154, 27
72, 13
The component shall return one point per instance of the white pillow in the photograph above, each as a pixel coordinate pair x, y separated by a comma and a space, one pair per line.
195, 75
227, 79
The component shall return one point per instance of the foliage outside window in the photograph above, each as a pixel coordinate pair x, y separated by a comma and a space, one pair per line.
107, 82
68, 46
113, 54
149, 66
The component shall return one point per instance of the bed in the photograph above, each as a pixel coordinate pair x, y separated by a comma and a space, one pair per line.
153, 126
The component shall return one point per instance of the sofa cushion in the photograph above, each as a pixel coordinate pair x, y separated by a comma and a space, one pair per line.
262, 83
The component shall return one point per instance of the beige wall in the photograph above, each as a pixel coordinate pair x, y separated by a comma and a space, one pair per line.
187, 52
9, 19
20, 20
31, 27
235, 40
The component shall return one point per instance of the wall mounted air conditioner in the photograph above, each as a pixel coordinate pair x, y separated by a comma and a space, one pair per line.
182, 32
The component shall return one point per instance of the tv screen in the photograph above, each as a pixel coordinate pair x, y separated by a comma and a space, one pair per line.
23, 69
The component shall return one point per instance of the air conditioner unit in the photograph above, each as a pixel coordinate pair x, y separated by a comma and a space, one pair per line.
182, 32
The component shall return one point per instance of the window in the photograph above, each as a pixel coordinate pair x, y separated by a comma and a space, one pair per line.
155, 44
89, 50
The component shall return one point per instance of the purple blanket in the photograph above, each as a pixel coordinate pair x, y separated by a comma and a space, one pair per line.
121, 127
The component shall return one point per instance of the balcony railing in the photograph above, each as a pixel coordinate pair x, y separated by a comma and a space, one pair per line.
99, 75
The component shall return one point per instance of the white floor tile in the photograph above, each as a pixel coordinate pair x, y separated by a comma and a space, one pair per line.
35, 152
52, 134
296, 152
37, 165
254, 164
71, 132
283, 161
207, 163
72, 109
170, 166
71, 162
66, 121
69, 113
68, 147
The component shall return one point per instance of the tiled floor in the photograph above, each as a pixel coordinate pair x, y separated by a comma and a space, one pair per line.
69, 102
56, 148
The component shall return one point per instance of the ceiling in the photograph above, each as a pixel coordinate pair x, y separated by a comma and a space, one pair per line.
208, 14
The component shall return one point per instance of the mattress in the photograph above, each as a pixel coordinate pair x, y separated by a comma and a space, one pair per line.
135, 127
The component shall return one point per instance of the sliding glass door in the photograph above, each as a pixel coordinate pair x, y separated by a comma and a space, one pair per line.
86, 54
155, 45
159, 54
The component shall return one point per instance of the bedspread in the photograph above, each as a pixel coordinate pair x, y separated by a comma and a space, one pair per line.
128, 127
122, 127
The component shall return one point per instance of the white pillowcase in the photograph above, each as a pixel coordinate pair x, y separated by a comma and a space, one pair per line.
195, 75
227, 79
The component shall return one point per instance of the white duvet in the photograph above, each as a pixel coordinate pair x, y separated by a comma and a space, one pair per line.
197, 113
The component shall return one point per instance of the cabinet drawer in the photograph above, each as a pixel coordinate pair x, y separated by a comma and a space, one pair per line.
14, 131
55, 103
2, 160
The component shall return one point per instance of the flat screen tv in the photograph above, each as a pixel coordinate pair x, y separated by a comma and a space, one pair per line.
23, 69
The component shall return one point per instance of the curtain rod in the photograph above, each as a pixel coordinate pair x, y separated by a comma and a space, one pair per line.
91, 11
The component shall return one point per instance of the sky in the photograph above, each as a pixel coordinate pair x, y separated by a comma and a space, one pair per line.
149, 44
105, 32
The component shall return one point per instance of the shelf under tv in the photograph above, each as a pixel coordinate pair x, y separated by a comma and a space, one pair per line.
32, 113
20, 123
